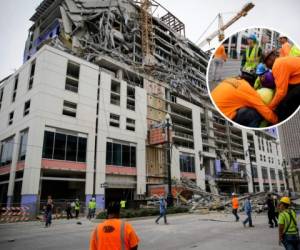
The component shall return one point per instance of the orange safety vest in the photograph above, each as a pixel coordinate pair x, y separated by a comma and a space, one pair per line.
235, 203
113, 234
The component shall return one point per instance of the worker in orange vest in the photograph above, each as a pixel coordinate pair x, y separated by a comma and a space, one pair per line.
285, 46
237, 99
286, 72
219, 58
235, 206
113, 233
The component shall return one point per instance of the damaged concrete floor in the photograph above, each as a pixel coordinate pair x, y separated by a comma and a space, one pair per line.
214, 231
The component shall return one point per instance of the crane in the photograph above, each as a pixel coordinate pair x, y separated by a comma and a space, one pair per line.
222, 27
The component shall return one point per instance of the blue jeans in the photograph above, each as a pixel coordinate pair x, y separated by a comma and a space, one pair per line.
248, 117
248, 219
162, 214
48, 218
291, 242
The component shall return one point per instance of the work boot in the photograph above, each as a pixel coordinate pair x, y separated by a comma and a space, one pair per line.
251, 226
244, 224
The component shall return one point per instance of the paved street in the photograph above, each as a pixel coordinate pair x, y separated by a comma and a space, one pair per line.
214, 231
230, 68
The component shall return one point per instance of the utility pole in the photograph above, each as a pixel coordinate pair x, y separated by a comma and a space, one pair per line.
169, 196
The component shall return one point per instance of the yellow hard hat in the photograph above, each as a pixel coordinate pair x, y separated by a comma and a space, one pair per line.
285, 200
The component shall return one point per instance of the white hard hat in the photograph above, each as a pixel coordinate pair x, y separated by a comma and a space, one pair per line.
233, 194
93, 199
282, 35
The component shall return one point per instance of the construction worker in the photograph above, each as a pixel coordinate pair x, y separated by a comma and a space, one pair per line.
252, 55
248, 211
235, 206
218, 61
114, 233
123, 204
238, 100
162, 210
286, 72
285, 46
77, 208
288, 229
69, 211
271, 211
91, 208
48, 211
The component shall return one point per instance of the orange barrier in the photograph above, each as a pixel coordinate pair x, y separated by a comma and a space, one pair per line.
14, 214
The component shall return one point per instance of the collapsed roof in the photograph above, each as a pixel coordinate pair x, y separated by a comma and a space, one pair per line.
94, 28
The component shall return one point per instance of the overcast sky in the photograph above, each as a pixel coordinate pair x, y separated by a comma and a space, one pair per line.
281, 15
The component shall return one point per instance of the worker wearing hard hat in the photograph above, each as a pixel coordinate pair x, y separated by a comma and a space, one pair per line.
237, 99
219, 58
285, 46
252, 55
286, 72
235, 206
114, 233
288, 229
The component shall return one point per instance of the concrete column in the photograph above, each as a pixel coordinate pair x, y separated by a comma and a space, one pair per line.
32, 170
89, 179
260, 178
247, 160
200, 173
141, 168
270, 180
13, 166
175, 165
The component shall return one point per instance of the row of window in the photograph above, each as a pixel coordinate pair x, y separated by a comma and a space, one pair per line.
25, 112
187, 163
114, 121
7, 146
270, 159
15, 87
115, 95
119, 154
62, 146
261, 145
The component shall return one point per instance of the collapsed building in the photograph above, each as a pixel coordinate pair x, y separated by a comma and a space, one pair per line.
86, 112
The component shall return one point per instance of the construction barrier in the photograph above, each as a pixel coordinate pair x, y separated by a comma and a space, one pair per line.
14, 214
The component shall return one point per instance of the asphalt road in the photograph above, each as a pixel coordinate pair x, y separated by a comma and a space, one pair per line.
213, 231
230, 68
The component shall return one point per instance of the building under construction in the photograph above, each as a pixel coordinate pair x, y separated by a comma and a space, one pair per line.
85, 114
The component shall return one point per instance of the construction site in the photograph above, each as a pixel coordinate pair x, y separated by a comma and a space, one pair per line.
116, 107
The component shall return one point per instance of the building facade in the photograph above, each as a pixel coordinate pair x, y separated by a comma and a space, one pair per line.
82, 118
290, 141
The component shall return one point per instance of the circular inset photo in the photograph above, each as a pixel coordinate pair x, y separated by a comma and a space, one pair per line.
253, 78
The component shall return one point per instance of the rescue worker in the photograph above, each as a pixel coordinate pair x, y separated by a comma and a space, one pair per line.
77, 208
92, 208
162, 210
288, 229
248, 211
235, 206
218, 61
123, 204
48, 211
285, 46
252, 55
68, 211
286, 72
114, 233
271, 211
238, 100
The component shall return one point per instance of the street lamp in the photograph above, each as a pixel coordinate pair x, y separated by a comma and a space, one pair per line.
168, 124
